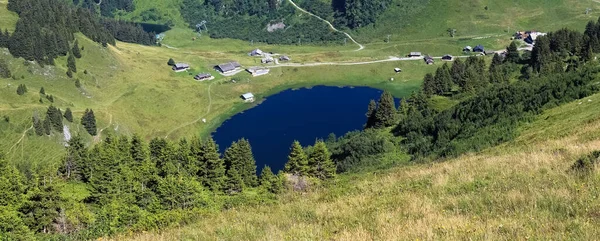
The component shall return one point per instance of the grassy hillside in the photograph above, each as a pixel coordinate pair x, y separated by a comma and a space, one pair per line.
521, 190
8, 19
132, 90
410, 20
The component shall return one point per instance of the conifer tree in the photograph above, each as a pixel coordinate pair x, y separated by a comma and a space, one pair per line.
266, 176
171, 62
457, 71
429, 84
42, 91
88, 120
76, 51
512, 53
215, 167
443, 80
42, 207
248, 167
269, 181
320, 164
71, 64
496, 74
198, 166
68, 115
69, 73
297, 161
232, 157
4, 70
371, 114
3, 40
74, 159
385, 115
38, 125
234, 184
47, 126
21, 89
185, 159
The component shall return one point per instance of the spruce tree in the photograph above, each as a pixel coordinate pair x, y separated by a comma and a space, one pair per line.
38, 125
42, 91
248, 164
4, 70
512, 53
215, 167
43, 203
429, 84
297, 163
47, 126
88, 120
235, 183
55, 116
3, 40
457, 71
68, 115
71, 64
21, 89
266, 176
270, 181
74, 160
171, 62
443, 80
232, 157
319, 162
76, 51
385, 115
371, 114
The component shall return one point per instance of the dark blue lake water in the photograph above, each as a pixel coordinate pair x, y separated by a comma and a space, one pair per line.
303, 114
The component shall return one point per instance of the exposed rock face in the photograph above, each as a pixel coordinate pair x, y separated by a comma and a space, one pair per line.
276, 26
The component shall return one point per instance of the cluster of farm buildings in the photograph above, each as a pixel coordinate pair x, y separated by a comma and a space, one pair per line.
234, 67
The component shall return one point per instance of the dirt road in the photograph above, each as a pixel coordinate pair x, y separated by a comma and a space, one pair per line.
360, 46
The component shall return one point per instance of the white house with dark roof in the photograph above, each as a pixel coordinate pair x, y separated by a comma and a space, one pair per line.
256, 52
228, 67
258, 71
179, 67
415, 54
203, 77
248, 97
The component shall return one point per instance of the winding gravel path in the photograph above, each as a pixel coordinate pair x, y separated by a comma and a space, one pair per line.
360, 46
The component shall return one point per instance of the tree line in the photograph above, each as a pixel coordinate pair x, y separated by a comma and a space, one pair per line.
106, 7
223, 21
125, 183
45, 29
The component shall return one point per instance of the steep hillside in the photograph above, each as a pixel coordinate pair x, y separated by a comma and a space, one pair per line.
401, 19
521, 190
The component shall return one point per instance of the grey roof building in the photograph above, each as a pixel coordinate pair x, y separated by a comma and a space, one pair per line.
203, 76
180, 66
228, 67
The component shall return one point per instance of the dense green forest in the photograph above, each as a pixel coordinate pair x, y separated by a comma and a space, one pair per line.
45, 29
495, 101
223, 16
107, 7
223, 21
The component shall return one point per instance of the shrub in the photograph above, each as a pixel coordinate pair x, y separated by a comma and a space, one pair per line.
586, 164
